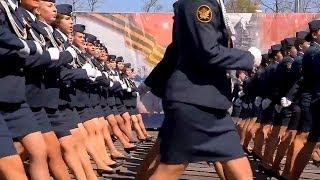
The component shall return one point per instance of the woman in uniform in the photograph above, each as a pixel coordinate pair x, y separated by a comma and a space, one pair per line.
75, 152
309, 103
11, 166
195, 102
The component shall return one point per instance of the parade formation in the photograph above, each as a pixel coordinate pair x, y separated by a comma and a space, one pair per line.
65, 100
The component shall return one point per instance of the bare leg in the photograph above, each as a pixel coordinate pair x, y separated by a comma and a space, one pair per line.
36, 147
142, 126
271, 145
114, 125
168, 172
283, 148
90, 141
127, 123
123, 128
248, 135
71, 157
108, 140
57, 166
302, 160
219, 169
82, 153
241, 132
150, 162
293, 152
137, 127
260, 138
100, 125
11, 168
238, 169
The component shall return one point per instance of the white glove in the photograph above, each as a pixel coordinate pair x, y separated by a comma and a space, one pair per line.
257, 56
257, 101
124, 86
111, 84
245, 105
54, 53
39, 48
72, 52
25, 52
91, 72
92, 79
98, 73
285, 102
87, 66
238, 102
241, 93
266, 103
278, 108
117, 78
129, 90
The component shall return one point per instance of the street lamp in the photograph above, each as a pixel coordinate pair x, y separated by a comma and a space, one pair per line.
297, 6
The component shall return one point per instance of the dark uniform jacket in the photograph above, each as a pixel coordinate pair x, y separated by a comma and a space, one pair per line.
204, 57
11, 65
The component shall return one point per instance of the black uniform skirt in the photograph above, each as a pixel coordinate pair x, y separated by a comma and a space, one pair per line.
98, 111
306, 114
295, 118
282, 118
107, 111
6, 143
314, 135
267, 115
60, 124
85, 114
245, 113
42, 119
20, 119
256, 110
193, 133
114, 110
133, 110
236, 110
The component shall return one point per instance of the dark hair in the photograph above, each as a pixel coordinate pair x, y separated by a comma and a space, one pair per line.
239, 72
56, 23
125, 69
274, 53
299, 42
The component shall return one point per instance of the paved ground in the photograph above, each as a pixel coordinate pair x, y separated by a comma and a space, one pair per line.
196, 171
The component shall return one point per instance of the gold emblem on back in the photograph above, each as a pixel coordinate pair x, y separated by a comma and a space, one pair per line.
204, 14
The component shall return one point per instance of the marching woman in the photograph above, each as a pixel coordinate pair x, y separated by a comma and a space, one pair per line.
293, 100
267, 112
310, 72
104, 125
126, 114
202, 35
130, 100
112, 118
282, 82
73, 147
16, 48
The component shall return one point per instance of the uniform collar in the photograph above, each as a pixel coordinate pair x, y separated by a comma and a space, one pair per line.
315, 44
13, 4
300, 53
48, 26
33, 17
77, 49
65, 38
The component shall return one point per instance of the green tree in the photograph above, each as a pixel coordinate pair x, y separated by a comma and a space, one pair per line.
241, 6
